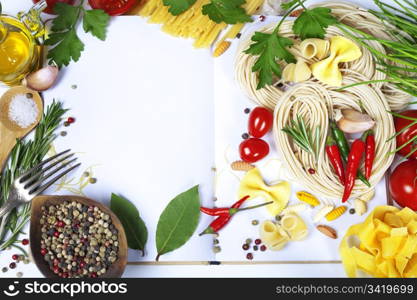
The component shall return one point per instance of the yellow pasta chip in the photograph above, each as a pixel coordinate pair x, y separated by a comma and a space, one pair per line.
341, 50
253, 185
402, 231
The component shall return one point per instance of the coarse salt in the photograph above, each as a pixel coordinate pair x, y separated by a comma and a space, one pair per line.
23, 111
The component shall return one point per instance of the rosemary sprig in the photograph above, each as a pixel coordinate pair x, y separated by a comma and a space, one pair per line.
25, 155
303, 136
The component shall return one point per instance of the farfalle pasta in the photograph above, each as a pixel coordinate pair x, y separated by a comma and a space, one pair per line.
253, 185
341, 50
317, 48
385, 245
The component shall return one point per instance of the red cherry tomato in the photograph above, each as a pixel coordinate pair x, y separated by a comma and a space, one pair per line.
51, 4
113, 7
403, 184
260, 121
253, 149
407, 134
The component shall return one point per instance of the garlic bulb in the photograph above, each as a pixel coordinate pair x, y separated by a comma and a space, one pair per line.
41, 79
353, 121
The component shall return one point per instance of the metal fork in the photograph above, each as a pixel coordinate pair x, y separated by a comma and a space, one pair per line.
30, 184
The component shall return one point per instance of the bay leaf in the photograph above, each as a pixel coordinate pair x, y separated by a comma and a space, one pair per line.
135, 228
178, 221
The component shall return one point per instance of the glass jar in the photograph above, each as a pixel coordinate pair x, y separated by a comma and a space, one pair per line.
20, 48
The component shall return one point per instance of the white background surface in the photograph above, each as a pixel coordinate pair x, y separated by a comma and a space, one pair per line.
117, 60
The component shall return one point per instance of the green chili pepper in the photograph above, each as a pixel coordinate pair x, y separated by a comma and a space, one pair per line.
344, 148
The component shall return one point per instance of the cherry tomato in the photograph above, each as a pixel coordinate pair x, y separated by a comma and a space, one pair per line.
253, 149
407, 134
113, 7
51, 4
260, 121
403, 184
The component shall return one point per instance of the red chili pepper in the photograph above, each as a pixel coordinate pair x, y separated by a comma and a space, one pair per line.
222, 220
369, 153
222, 210
352, 167
217, 224
333, 153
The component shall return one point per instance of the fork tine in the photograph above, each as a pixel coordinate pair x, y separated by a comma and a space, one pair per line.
34, 177
41, 164
38, 190
36, 182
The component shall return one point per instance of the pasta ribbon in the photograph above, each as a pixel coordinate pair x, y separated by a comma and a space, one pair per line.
296, 72
294, 226
384, 245
341, 50
253, 185
273, 235
315, 48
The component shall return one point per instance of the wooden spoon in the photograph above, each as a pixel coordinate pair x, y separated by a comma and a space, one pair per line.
116, 269
9, 130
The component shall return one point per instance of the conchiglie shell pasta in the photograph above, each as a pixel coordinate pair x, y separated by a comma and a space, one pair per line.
273, 236
315, 48
295, 227
298, 72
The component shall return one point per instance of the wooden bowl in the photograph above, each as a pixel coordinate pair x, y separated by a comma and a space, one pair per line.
116, 269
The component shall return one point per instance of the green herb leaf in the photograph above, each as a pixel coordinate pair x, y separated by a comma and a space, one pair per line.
228, 11
288, 5
135, 228
178, 221
270, 48
96, 21
67, 16
177, 7
312, 23
68, 47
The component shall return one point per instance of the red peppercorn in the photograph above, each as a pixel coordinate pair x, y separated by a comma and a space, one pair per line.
44, 251
60, 224
93, 275
64, 275
258, 241
15, 257
262, 18
71, 120
56, 262
245, 247
56, 234
56, 269
82, 264
311, 171
263, 248
25, 242
249, 256
12, 265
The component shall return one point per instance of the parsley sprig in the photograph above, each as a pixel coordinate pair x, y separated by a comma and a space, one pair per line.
272, 48
66, 44
227, 11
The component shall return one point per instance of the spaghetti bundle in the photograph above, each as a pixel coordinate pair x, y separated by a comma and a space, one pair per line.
364, 67
191, 23
316, 105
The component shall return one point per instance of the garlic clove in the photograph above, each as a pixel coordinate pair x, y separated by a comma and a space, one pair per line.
353, 121
41, 79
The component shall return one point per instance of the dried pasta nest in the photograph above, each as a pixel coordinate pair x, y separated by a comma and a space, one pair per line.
316, 105
363, 67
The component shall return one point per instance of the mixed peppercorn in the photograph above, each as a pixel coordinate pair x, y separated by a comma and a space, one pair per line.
78, 240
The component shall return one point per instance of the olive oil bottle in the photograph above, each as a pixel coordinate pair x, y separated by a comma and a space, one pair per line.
19, 47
